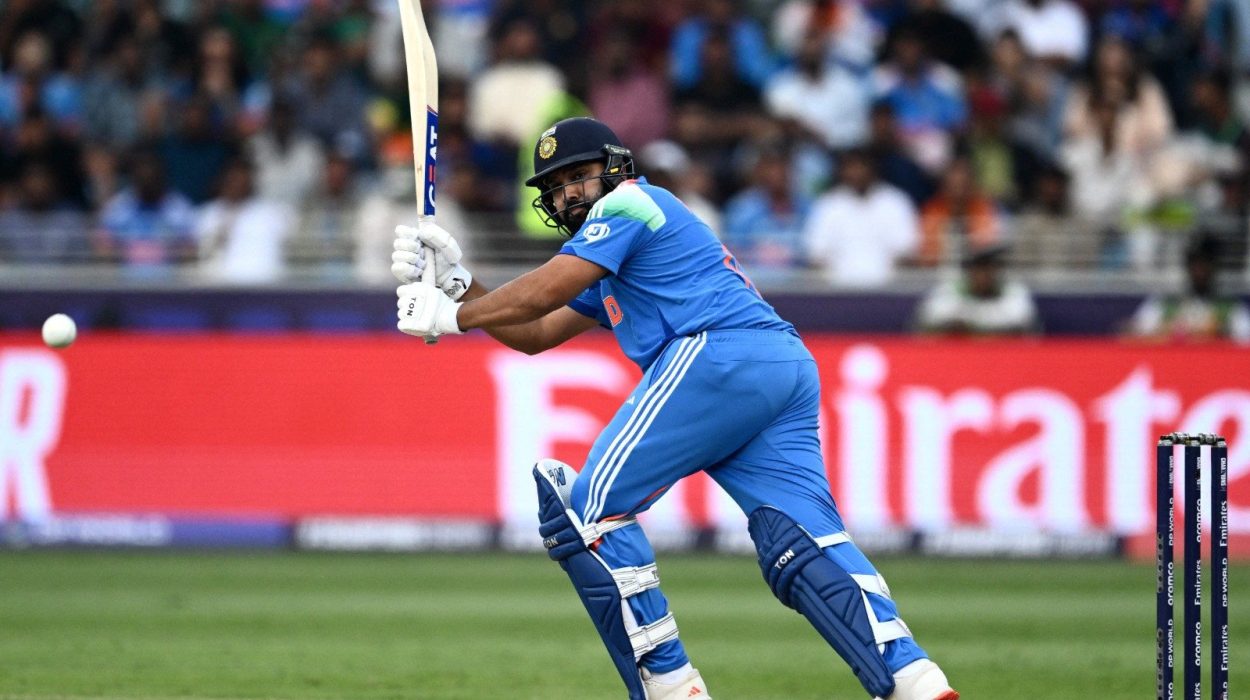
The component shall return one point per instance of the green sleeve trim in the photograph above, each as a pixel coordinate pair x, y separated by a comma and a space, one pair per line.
630, 202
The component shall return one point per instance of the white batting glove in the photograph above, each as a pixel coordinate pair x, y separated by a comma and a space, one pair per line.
408, 260
426, 310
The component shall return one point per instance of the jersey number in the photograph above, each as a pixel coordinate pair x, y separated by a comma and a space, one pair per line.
732, 263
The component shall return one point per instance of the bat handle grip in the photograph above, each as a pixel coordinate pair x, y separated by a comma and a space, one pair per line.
429, 277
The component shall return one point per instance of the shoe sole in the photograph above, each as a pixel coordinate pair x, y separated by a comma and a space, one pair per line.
948, 695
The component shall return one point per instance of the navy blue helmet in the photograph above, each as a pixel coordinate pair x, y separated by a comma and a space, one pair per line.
572, 141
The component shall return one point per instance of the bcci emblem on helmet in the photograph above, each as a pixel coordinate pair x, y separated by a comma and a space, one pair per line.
547, 147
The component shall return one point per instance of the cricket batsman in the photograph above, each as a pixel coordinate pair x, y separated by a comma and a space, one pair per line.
727, 388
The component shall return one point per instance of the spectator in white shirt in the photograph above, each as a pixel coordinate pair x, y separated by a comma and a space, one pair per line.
823, 98
241, 234
1143, 118
847, 32
860, 231
1109, 183
980, 301
289, 161
1200, 313
506, 102
1054, 31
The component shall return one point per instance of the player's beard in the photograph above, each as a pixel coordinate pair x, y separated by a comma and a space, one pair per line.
576, 215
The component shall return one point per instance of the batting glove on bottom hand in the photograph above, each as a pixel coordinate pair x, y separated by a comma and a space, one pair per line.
408, 260
426, 310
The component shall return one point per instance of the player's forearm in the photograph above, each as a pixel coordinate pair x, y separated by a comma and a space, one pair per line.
523, 337
521, 301
529, 313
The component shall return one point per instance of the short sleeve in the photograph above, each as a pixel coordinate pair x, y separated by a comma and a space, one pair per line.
590, 304
617, 226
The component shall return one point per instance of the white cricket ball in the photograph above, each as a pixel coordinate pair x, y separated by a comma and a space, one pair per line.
59, 331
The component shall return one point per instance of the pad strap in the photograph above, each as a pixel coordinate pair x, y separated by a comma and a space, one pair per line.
886, 631
647, 637
632, 580
831, 540
592, 532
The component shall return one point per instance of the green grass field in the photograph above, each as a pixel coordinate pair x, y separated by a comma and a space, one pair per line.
228, 625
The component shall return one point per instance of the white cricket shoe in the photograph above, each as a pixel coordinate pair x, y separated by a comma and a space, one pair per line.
689, 687
921, 680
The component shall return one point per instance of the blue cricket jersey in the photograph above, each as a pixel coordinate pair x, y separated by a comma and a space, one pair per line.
670, 276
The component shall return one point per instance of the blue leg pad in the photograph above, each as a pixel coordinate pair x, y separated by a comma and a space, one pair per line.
563, 536
803, 578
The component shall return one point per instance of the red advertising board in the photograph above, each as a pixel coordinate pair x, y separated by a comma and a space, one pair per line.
1011, 435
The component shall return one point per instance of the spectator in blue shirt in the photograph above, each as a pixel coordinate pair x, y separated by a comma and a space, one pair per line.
764, 223
1227, 33
31, 83
1139, 23
195, 155
147, 225
893, 164
753, 59
927, 98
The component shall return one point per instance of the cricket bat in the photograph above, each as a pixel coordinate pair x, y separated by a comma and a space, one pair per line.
423, 104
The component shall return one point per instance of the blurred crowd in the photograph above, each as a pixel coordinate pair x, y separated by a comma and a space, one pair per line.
247, 138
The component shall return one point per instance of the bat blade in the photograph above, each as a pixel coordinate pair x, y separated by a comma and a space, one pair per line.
423, 106
422, 101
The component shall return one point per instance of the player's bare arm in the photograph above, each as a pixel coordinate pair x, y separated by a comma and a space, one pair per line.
538, 335
531, 296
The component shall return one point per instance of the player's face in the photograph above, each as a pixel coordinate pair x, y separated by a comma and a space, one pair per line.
574, 190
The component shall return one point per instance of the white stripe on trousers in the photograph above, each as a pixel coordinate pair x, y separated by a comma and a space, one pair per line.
657, 387
614, 469
648, 396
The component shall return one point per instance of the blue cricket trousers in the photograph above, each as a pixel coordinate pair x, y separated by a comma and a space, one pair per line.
743, 406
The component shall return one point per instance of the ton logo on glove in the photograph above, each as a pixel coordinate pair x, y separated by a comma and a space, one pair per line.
450, 277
